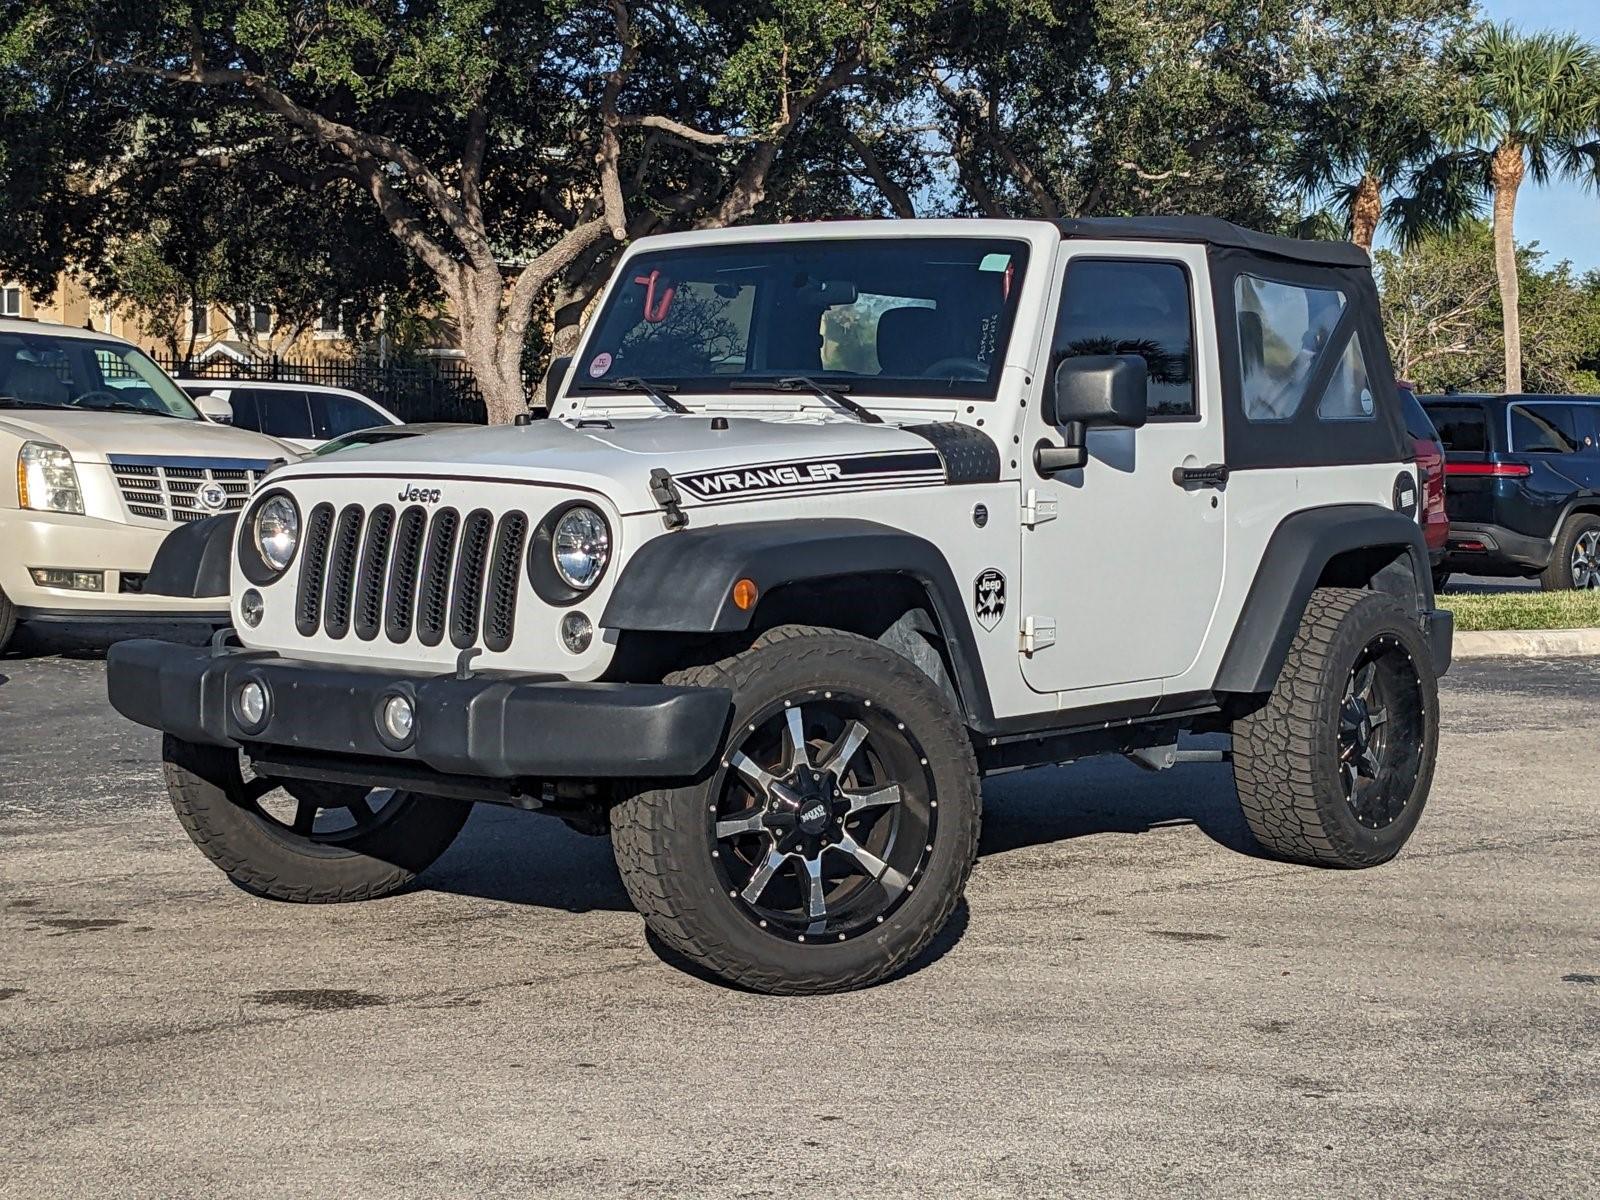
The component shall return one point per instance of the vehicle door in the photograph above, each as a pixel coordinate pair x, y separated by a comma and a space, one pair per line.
285, 413
333, 415
1122, 563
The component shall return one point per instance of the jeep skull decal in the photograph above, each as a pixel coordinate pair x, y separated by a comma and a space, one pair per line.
989, 598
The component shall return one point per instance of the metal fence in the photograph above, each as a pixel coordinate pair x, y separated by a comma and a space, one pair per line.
438, 390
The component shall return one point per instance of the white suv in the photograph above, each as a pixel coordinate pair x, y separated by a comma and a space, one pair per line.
103, 456
828, 522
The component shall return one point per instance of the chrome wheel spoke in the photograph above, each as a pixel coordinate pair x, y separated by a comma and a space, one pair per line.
1363, 679
1377, 716
879, 798
842, 751
753, 821
794, 737
763, 876
816, 899
871, 864
753, 773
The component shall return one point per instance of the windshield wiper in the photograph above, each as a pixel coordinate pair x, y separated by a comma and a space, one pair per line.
656, 391
19, 402
834, 393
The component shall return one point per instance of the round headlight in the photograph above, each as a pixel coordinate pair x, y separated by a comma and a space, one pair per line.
581, 547
277, 532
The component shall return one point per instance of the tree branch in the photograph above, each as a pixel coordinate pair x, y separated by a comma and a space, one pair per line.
897, 196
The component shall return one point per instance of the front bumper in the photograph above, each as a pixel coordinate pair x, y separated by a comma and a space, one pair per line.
122, 552
489, 725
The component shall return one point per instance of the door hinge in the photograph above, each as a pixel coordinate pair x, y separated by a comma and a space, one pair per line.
1037, 633
1037, 509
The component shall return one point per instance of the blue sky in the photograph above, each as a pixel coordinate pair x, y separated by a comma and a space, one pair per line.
1562, 217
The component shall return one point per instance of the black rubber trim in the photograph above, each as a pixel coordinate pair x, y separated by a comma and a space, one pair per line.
1299, 549
120, 616
193, 560
969, 455
683, 582
490, 725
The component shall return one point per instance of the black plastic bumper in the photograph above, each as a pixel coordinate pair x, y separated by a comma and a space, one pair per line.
1505, 551
490, 725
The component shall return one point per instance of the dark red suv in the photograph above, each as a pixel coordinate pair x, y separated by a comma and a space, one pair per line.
1430, 463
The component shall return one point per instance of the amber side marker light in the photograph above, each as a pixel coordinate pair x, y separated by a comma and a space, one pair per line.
744, 595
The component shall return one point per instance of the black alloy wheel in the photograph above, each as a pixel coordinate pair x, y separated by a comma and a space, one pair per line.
1380, 733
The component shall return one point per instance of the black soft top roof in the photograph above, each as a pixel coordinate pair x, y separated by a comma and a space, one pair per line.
1214, 231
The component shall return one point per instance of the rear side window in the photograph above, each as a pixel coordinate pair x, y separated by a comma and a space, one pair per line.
1543, 429
1418, 423
246, 412
284, 413
1462, 427
334, 416
1348, 396
1129, 307
1284, 330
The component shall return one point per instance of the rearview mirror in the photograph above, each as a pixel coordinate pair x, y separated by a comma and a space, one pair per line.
215, 408
1100, 389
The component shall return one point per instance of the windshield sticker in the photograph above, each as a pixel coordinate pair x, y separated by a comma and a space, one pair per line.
599, 365
815, 476
995, 262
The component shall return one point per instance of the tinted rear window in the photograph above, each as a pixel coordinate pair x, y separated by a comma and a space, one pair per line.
1417, 423
1462, 427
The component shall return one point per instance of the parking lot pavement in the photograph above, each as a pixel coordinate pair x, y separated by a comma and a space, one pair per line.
1129, 1002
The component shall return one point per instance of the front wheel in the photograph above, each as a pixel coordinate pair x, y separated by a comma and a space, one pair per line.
1575, 559
1334, 770
833, 837
314, 843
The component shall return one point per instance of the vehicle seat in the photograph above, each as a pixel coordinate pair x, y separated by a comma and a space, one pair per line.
910, 340
34, 383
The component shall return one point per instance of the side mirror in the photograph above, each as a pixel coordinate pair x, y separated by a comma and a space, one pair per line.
214, 408
554, 378
1100, 389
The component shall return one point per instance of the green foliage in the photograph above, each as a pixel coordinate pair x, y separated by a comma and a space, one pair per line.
1441, 310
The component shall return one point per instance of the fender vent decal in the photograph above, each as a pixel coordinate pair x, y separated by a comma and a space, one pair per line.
969, 455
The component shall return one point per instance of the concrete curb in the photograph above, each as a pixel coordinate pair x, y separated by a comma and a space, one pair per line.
1527, 643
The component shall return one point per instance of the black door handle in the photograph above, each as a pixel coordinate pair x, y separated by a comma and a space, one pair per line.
1213, 476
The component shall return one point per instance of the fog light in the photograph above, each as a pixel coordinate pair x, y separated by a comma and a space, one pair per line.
252, 705
398, 718
576, 632
251, 607
76, 581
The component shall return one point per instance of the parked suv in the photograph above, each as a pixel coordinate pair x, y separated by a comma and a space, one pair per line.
303, 414
103, 455
1523, 490
828, 522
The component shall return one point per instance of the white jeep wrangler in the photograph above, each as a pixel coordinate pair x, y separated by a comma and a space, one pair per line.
829, 521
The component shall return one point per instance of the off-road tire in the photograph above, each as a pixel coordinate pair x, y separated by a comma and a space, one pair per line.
663, 853
8, 621
1286, 754
203, 783
1558, 576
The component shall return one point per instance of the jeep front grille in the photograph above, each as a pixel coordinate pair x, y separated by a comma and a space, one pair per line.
185, 489
411, 575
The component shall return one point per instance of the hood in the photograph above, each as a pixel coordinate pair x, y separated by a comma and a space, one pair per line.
615, 456
90, 436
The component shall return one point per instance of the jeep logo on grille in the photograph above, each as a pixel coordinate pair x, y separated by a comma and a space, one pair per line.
412, 494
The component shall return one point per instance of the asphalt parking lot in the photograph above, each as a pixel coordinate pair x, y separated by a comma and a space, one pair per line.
1129, 1003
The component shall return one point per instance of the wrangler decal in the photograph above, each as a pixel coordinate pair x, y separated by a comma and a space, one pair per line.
820, 475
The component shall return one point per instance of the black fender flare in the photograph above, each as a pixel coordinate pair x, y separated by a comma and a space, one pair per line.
683, 582
194, 559
1301, 547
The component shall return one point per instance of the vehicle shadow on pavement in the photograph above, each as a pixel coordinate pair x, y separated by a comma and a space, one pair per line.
1112, 796
89, 643
527, 858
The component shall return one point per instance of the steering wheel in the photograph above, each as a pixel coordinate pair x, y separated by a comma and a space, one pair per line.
958, 367
78, 401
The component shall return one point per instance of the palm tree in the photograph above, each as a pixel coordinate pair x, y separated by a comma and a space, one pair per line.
1529, 105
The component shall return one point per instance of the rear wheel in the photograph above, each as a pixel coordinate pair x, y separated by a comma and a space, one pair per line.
1335, 769
304, 841
834, 836
1575, 560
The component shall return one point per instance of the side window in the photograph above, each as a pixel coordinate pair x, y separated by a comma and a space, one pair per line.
1112, 306
1543, 429
1348, 396
246, 412
334, 416
1283, 332
284, 413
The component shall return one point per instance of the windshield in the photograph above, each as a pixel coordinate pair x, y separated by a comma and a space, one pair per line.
886, 316
40, 371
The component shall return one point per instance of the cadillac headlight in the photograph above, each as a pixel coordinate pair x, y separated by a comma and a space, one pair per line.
276, 530
581, 547
47, 480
